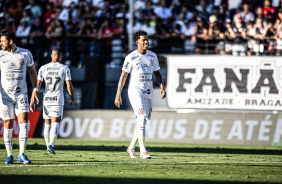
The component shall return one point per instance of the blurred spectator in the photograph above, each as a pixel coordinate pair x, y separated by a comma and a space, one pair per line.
55, 33
260, 32
9, 22
86, 33
201, 35
22, 33
220, 17
97, 4
228, 37
162, 11
278, 37
37, 38
106, 12
259, 12
233, 5
57, 2
85, 12
104, 35
138, 6
147, 11
269, 12
67, 3
270, 32
69, 13
136, 25
49, 14
215, 31
246, 14
239, 34
27, 17
16, 11
278, 20
204, 10
251, 31
34, 9
146, 26
72, 39
188, 31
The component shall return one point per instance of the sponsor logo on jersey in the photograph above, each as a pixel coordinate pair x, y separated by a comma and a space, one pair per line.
12, 64
5, 61
18, 89
53, 73
5, 113
23, 101
138, 63
54, 98
21, 61
141, 111
53, 68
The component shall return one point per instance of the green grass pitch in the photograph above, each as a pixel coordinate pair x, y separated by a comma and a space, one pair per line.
107, 162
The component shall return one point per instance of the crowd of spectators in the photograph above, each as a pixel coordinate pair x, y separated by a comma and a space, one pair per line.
91, 27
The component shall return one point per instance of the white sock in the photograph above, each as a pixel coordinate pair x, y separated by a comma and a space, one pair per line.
141, 134
134, 138
47, 133
7, 135
54, 133
23, 136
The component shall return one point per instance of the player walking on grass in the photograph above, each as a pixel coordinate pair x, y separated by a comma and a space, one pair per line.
14, 61
54, 74
141, 64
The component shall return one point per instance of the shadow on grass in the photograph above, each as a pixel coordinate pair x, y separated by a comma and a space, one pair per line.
161, 149
42, 179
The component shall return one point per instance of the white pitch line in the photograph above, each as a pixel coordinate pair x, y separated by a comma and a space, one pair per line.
133, 163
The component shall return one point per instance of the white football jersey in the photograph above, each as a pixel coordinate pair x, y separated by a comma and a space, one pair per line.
141, 68
54, 75
13, 67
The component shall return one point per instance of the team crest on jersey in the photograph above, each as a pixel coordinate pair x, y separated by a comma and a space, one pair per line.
141, 111
21, 61
151, 62
5, 113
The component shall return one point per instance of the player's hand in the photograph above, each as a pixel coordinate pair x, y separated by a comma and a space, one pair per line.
32, 105
163, 93
72, 103
118, 101
35, 97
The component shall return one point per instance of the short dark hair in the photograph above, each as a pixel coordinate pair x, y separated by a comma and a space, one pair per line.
140, 33
58, 50
9, 35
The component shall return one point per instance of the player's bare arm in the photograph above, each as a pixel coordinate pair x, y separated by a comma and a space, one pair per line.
159, 80
34, 98
39, 83
118, 100
71, 92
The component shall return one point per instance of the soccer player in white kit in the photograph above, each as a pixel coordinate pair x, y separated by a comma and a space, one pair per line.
14, 61
141, 64
54, 74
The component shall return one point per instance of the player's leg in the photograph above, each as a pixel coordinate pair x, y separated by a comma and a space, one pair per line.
22, 112
8, 116
138, 105
56, 114
148, 110
23, 136
47, 125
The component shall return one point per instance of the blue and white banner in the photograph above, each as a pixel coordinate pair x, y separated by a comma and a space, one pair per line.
224, 82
